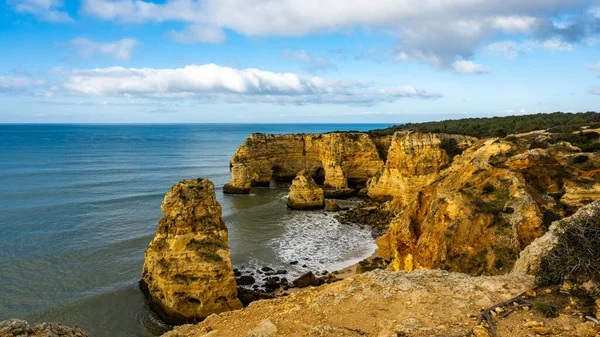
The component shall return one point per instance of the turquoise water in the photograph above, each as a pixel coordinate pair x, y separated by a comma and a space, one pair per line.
80, 203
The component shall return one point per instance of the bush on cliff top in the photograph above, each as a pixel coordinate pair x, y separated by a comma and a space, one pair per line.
499, 126
576, 257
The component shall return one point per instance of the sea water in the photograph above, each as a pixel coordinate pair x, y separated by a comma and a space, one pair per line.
80, 203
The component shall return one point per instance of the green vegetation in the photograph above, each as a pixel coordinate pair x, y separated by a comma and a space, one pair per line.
546, 309
579, 159
576, 257
500, 126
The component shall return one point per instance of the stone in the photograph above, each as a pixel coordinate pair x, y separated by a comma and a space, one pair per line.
332, 206
266, 328
541, 330
480, 331
245, 280
187, 273
305, 194
21, 328
587, 329
308, 279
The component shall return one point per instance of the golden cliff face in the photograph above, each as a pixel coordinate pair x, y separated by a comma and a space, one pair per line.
305, 194
414, 160
480, 212
338, 160
187, 272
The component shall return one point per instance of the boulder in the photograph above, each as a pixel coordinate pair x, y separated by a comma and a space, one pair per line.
332, 206
306, 280
187, 272
305, 194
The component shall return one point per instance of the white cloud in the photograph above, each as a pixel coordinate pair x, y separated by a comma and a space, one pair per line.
595, 91
120, 49
45, 10
516, 24
469, 67
509, 49
555, 43
433, 31
198, 33
216, 83
19, 84
595, 66
312, 62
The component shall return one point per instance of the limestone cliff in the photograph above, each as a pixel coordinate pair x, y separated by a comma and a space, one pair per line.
414, 160
187, 272
481, 211
340, 161
305, 194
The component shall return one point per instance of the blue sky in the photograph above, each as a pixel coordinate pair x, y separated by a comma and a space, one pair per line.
289, 61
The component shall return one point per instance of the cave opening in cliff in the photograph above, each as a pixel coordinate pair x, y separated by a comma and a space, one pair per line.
319, 176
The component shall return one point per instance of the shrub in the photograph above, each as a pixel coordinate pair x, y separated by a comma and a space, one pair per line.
576, 256
582, 158
488, 188
546, 309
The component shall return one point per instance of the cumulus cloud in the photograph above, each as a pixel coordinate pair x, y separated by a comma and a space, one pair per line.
216, 83
198, 34
512, 49
311, 62
21, 85
469, 67
509, 49
438, 32
120, 49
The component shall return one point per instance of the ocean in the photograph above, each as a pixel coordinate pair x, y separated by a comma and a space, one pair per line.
79, 204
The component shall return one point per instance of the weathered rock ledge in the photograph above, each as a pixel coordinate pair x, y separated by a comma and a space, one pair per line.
187, 272
378, 303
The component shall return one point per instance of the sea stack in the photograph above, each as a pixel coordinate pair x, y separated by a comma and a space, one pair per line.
187, 273
305, 194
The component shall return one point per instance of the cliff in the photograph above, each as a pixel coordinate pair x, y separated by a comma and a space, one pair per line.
414, 160
456, 203
341, 161
187, 272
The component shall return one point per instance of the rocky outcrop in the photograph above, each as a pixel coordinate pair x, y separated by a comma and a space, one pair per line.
377, 303
413, 162
305, 194
531, 257
21, 328
187, 272
341, 161
475, 218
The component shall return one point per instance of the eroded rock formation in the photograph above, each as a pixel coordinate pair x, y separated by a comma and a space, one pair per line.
305, 194
342, 162
187, 272
414, 160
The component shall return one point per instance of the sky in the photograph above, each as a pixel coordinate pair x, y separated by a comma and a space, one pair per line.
295, 61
